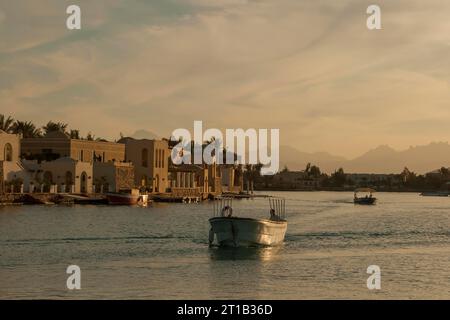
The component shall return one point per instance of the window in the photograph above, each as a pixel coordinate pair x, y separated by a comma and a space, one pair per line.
144, 157
156, 158
159, 158
8, 152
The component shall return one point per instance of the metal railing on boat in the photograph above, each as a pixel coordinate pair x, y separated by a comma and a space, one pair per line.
220, 204
278, 205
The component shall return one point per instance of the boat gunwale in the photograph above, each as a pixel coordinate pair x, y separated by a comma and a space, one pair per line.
249, 219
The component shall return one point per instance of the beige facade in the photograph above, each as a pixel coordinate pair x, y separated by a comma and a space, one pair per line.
150, 161
232, 179
61, 175
9, 147
113, 176
59, 145
12, 174
189, 180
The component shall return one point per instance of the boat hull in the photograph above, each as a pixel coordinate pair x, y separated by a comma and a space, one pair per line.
367, 201
122, 199
237, 232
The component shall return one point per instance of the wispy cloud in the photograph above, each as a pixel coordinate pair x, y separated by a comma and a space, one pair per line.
310, 68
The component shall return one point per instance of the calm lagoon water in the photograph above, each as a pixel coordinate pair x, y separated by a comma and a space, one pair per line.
161, 252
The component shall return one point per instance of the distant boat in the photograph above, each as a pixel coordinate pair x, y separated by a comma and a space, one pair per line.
367, 199
435, 194
127, 198
240, 231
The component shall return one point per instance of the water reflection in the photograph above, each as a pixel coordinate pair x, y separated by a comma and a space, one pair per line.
245, 253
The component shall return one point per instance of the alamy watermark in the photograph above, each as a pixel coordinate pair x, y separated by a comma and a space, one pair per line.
374, 281
240, 147
73, 21
74, 280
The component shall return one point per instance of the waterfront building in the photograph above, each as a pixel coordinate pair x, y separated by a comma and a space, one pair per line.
215, 179
189, 180
11, 171
150, 159
295, 180
63, 175
232, 178
58, 144
113, 176
373, 180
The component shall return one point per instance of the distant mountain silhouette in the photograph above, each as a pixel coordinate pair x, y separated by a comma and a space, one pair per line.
382, 159
297, 160
144, 134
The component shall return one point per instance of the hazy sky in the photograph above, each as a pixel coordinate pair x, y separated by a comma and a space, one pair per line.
310, 68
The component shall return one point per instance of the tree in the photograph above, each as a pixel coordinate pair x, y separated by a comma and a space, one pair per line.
445, 172
55, 126
308, 168
339, 177
74, 134
90, 136
6, 123
314, 171
26, 128
252, 173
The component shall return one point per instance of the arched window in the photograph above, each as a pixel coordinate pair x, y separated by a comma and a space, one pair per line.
144, 157
83, 184
68, 181
8, 152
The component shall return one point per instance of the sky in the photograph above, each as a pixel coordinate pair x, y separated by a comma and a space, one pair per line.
309, 68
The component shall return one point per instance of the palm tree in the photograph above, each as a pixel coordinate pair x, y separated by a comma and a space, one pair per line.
74, 134
26, 128
308, 168
314, 171
6, 123
90, 136
252, 173
55, 126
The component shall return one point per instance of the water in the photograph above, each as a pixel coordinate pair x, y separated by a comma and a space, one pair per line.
162, 252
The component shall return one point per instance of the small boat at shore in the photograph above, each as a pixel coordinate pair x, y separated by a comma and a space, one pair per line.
133, 197
239, 231
368, 199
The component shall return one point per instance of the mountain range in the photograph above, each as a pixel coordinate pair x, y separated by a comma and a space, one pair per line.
383, 159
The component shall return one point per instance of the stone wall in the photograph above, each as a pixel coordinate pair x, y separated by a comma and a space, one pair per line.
124, 178
2, 179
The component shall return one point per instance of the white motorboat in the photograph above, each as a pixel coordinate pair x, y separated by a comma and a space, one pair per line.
235, 231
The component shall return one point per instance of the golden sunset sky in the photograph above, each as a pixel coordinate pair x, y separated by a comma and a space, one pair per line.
310, 68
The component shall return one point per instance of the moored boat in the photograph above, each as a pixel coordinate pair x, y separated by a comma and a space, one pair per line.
239, 231
127, 198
